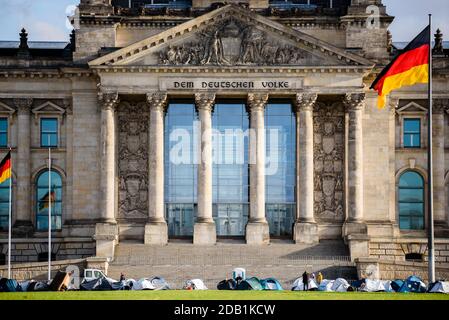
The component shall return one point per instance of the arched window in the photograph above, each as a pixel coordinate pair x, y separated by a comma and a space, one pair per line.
4, 205
45, 198
411, 201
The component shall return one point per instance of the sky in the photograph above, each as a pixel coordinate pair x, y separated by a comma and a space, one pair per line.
45, 20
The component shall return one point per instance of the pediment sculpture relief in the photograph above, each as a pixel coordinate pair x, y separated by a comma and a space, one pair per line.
231, 42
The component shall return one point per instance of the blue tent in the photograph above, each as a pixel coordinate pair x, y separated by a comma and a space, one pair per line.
9, 285
250, 284
397, 284
270, 284
413, 284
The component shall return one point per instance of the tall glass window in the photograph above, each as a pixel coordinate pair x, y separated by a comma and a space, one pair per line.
45, 197
180, 168
4, 205
280, 125
3, 132
411, 201
230, 168
49, 132
412, 133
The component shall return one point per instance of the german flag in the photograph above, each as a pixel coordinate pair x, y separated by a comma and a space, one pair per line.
5, 168
407, 68
44, 203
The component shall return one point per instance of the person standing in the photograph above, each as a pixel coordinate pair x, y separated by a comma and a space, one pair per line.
319, 277
305, 281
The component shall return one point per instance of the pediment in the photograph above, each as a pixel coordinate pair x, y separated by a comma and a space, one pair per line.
412, 107
4, 108
48, 107
231, 36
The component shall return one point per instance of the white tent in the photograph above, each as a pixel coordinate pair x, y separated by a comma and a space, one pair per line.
376, 286
195, 284
326, 285
440, 287
298, 285
338, 285
143, 284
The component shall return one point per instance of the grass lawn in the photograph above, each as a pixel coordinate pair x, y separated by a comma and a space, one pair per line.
216, 295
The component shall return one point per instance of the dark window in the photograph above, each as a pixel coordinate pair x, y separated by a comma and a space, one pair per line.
4, 205
418, 257
49, 132
2, 259
43, 257
411, 201
44, 195
3, 132
412, 133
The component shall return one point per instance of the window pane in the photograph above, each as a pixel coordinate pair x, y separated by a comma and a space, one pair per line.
412, 133
411, 195
49, 125
411, 179
3, 125
3, 140
412, 125
42, 201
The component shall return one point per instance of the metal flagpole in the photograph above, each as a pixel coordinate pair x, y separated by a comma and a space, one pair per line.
10, 217
49, 210
430, 245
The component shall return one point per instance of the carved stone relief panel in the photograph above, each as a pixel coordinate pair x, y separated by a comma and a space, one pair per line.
133, 160
329, 155
233, 42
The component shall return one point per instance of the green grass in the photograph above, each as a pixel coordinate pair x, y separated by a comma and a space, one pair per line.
216, 295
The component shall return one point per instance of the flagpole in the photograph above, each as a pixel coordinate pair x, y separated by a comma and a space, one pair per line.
49, 210
10, 218
430, 245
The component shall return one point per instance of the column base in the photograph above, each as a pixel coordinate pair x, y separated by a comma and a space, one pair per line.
306, 233
106, 236
354, 227
204, 233
257, 233
22, 229
156, 233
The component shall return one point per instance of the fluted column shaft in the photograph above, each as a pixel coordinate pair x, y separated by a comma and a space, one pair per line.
257, 103
108, 101
354, 104
304, 159
157, 102
23, 164
204, 104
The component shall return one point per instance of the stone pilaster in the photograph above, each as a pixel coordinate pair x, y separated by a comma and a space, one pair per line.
355, 224
106, 232
23, 222
156, 231
204, 231
439, 194
305, 229
257, 230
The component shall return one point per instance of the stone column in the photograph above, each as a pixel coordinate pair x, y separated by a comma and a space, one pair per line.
257, 230
23, 222
439, 194
204, 231
305, 229
106, 232
354, 224
156, 231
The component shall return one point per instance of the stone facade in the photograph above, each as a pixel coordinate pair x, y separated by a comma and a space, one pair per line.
110, 87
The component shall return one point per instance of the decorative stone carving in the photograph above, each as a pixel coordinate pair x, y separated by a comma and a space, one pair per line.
133, 160
233, 42
23, 105
440, 105
108, 100
306, 101
354, 101
205, 100
257, 101
329, 152
157, 100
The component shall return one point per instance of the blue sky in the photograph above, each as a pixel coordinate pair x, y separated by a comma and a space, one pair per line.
46, 19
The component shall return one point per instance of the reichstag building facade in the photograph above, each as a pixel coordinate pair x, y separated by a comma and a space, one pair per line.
201, 121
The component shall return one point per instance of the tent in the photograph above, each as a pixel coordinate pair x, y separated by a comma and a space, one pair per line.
195, 284
439, 287
397, 284
376, 286
252, 283
9, 285
227, 284
159, 283
298, 285
413, 284
155, 283
338, 285
270, 284
100, 284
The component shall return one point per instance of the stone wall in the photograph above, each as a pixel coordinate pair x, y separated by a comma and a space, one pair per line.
27, 250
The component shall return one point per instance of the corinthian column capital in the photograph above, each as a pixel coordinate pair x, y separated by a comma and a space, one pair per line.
354, 101
305, 101
157, 100
205, 101
440, 105
108, 100
257, 101
23, 105
393, 105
